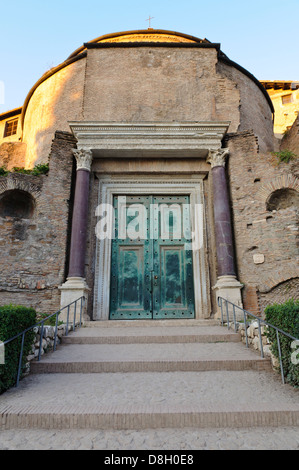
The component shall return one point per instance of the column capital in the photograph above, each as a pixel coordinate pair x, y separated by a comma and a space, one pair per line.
83, 158
217, 157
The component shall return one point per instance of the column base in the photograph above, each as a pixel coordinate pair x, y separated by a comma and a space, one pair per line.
71, 290
229, 288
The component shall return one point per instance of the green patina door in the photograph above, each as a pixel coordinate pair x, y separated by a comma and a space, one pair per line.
151, 265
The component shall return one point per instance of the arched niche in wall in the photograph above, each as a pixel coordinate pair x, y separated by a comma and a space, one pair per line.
282, 198
17, 204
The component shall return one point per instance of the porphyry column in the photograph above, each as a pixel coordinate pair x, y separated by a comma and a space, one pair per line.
75, 285
80, 214
227, 285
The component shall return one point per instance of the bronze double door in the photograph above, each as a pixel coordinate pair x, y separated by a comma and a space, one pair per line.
151, 262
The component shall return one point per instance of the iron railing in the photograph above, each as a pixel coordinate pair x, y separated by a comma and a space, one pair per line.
42, 323
259, 321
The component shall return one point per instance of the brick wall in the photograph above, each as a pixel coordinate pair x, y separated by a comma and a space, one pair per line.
251, 300
144, 84
12, 154
34, 251
266, 241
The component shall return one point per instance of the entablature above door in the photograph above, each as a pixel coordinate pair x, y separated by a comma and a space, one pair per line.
149, 139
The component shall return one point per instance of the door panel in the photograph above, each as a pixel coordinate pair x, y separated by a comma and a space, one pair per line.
152, 274
130, 274
173, 293
130, 292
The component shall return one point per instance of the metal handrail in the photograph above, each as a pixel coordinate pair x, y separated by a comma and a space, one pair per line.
42, 322
259, 320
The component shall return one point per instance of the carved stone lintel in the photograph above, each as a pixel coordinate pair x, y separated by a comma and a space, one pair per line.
83, 158
217, 157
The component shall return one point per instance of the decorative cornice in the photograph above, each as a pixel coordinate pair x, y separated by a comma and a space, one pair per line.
153, 136
83, 158
217, 157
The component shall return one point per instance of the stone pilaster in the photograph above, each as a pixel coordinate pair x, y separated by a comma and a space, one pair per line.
227, 285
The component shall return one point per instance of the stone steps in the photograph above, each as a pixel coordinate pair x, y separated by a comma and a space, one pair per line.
214, 399
121, 324
133, 375
150, 418
150, 357
151, 334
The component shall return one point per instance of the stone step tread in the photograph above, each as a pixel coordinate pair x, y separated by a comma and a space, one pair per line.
149, 357
147, 366
224, 389
150, 323
152, 334
176, 399
119, 419
145, 409
151, 352
154, 330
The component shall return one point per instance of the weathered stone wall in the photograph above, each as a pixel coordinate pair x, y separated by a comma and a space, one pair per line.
144, 84
34, 250
13, 154
158, 84
54, 102
281, 292
290, 140
255, 112
266, 241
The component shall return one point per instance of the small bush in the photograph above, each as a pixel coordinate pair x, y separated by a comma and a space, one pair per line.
13, 320
286, 318
51, 321
42, 169
37, 170
284, 156
3, 171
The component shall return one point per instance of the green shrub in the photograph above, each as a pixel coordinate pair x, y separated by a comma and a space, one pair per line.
42, 169
37, 170
51, 321
13, 320
286, 318
284, 156
3, 171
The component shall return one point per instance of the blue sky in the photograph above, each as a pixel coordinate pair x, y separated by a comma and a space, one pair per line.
36, 35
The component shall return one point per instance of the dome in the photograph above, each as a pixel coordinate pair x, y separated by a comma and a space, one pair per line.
142, 36
68, 79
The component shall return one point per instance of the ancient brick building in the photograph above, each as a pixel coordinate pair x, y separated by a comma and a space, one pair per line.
285, 98
133, 124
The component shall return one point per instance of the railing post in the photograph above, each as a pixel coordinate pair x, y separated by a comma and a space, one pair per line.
20, 359
245, 323
41, 341
234, 315
221, 307
227, 314
261, 339
280, 358
56, 327
75, 309
81, 309
67, 321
